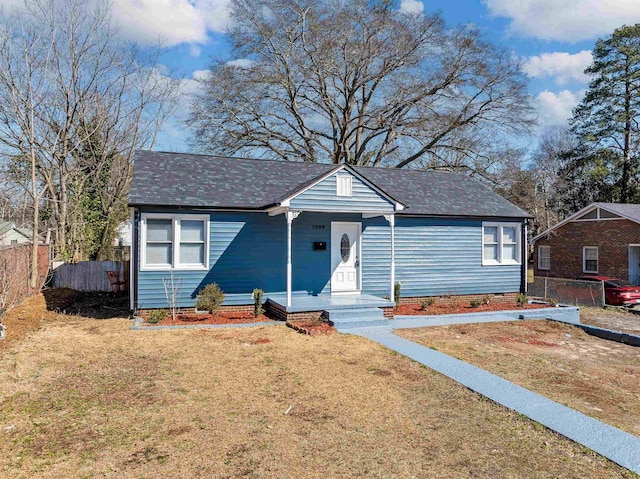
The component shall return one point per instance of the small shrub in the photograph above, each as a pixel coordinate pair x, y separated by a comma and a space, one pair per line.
426, 302
257, 302
552, 302
396, 293
476, 303
486, 299
521, 299
210, 299
156, 316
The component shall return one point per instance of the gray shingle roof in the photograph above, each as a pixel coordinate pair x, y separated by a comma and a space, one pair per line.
180, 179
5, 226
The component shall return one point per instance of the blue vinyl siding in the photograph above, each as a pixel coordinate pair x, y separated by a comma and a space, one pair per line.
323, 197
249, 250
444, 256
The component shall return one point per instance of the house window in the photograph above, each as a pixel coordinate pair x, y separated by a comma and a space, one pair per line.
544, 257
191, 242
159, 244
174, 242
590, 259
501, 243
344, 185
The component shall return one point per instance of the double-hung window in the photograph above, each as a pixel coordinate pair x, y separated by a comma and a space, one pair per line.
544, 258
175, 242
501, 243
590, 259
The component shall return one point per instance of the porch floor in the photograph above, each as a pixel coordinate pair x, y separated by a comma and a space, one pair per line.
302, 302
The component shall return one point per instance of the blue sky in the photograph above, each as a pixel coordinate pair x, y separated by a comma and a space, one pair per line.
553, 38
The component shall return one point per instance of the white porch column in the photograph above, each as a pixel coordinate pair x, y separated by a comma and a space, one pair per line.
392, 224
291, 215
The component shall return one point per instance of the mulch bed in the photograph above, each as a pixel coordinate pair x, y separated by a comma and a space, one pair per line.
184, 319
58, 299
311, 328
416, 309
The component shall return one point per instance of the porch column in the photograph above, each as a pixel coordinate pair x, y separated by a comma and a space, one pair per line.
291, 215
392, 224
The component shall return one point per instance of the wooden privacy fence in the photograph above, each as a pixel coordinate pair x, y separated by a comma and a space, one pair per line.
91, 275
15, 272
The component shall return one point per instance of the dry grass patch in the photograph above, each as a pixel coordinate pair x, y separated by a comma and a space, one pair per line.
559, 361
87, 398
611, 318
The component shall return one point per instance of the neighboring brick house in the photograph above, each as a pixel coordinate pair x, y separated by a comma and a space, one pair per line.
603, 239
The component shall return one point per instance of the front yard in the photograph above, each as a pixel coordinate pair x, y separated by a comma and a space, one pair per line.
89, 398
595, 376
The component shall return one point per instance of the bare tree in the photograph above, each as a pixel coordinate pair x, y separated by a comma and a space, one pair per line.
359, 82
104, 99
25, 90
547, 162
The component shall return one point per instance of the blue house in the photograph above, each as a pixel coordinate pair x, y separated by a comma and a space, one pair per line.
317, 236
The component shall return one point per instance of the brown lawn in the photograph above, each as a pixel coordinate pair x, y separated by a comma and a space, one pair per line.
83, 398
597, 377
611, 318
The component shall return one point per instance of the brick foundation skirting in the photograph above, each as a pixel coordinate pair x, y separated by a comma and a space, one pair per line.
241, 308
388, 312
463, 299
278, 312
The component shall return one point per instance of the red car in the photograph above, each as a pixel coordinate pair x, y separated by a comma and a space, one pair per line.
617, 291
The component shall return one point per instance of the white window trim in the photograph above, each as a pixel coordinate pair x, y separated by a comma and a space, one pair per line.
584, 259
175, 265
501, 261
347, 185
546, 248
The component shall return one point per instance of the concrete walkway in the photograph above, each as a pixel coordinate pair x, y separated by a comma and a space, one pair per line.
611, 442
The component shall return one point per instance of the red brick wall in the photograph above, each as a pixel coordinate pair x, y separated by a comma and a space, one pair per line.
612, 237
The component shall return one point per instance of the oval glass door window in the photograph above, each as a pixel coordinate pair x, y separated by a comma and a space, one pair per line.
345, 248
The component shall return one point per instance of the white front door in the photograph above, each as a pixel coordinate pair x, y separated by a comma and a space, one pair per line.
345, 257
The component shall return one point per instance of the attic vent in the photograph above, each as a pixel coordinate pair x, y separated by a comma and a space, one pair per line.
607, 214
344, 185
597, 214
591, 215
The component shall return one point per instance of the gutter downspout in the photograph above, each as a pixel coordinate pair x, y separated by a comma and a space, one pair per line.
133, 266
525, 258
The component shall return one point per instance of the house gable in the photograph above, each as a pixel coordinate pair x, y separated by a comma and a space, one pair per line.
593, 212
344, 191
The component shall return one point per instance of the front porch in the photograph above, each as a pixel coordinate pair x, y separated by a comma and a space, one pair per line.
305, 306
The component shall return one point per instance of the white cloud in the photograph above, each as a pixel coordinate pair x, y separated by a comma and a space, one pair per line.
412, 7
189, 87
566, 20
557, 108
561, 66
241, 63
172, 21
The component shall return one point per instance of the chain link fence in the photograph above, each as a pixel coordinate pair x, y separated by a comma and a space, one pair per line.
568, 291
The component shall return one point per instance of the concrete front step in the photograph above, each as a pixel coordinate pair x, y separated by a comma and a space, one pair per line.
365, 323
353, 314
343, 319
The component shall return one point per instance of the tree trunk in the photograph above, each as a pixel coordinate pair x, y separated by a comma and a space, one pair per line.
33, 281
626, 165
105, 250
